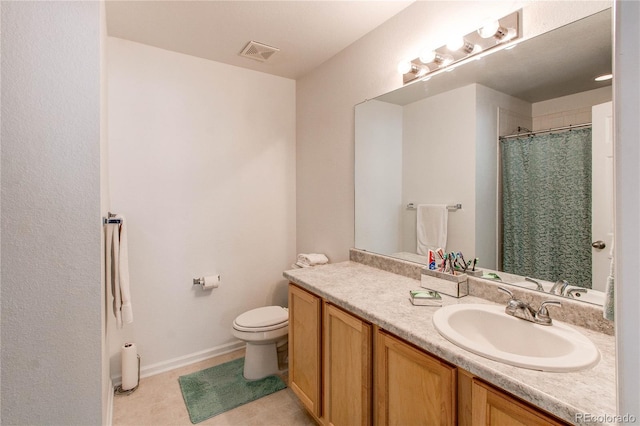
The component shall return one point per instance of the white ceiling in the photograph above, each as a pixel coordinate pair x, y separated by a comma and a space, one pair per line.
306, 32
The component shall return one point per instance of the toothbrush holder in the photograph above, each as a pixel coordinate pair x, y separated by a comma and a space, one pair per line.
476, 273
451, 285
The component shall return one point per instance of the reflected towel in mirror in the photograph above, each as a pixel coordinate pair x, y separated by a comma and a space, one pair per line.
431, 227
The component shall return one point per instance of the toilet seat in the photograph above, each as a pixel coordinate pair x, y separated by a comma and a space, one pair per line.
262, 319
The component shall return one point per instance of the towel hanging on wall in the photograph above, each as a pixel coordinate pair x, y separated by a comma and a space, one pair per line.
431, 227
117, 270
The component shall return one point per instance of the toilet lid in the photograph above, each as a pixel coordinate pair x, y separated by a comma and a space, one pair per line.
268, 316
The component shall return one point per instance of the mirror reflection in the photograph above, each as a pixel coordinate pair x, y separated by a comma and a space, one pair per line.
522, 140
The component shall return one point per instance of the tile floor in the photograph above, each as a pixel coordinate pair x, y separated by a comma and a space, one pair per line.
158, 402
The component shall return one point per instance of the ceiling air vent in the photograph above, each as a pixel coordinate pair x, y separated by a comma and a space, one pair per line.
258, 51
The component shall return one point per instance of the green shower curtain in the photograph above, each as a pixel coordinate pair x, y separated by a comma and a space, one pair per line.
546, 206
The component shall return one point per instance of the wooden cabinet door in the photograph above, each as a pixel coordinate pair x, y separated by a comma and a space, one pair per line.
490, 406
347, 368
412, 387
305, 339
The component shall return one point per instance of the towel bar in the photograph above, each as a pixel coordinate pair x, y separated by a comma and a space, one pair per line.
412, 206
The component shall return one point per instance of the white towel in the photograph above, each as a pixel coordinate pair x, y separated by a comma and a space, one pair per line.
117, 266
123, 261
431, 227
311, 259
112, 242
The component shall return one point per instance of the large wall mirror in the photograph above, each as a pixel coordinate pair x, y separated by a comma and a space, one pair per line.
449, 141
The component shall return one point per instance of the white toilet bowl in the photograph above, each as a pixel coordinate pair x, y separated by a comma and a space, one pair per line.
263, 329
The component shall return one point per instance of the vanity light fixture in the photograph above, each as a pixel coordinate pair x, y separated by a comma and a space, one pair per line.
432, 57
492, 35
604, 77
489, 29
463, 45
495, 30
408, 67
455, 44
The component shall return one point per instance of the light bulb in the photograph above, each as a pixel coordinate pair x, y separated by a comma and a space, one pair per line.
404, 67
489, 29
455, 44
427, 56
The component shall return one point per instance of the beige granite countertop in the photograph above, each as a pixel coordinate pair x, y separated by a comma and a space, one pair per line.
383, 299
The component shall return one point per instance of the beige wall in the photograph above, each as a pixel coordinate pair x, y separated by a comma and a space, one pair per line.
107, 385
51, 289
202, 166
366, 69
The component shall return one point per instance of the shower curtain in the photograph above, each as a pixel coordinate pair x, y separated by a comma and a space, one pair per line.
546, 206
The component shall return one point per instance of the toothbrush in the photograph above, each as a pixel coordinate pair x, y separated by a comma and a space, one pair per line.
464, 264
453, 271
473, 269
443, 265
455, 264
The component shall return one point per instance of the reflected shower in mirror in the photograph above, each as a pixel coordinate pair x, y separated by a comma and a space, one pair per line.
437, 142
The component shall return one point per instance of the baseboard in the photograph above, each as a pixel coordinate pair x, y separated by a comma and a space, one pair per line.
171, 364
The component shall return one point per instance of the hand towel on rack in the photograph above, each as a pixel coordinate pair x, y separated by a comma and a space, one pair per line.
123, 261
112, 241
431, 227
118, 271
311, 259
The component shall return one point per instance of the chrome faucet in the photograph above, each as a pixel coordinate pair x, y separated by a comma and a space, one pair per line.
542, 316
538, 285
559, 288
520, 309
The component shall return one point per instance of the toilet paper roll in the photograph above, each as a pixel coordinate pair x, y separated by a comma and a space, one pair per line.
129, 354
212, 281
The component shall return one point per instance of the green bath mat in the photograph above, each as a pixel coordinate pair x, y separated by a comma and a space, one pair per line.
218, 389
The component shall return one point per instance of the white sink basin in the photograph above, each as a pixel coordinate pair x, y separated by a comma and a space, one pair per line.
488, 331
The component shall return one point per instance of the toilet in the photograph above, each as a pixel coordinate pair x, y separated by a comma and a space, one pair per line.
264, 330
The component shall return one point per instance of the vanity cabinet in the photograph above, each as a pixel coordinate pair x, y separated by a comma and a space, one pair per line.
305, 339
330, 357
491, 406
348, 372
412, 387
347, 368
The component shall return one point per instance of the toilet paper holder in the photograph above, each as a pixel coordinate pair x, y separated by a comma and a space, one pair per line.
201, 281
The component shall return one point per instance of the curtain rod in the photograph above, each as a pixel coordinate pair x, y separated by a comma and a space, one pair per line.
555, 129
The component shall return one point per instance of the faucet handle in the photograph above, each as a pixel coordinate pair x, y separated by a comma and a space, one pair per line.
507, 291
542, 316
513, 304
